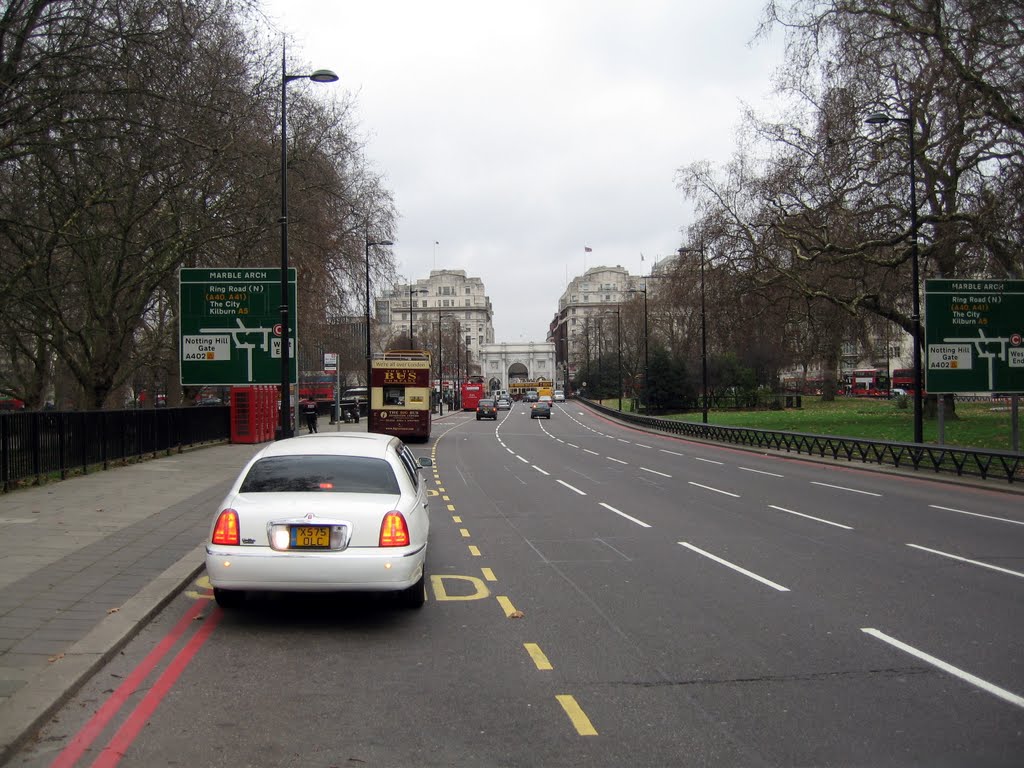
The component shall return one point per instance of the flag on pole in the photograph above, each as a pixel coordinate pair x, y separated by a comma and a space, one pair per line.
641, 257
587, 249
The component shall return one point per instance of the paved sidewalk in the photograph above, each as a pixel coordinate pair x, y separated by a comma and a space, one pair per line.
86, 561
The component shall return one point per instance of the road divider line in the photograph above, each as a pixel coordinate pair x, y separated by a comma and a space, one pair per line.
623, 514
674, 453
488, 574
735, 567
965, 560
506, 606
716, 490
844, 488
656, 472
576, 715
618, 461
761, 472
977, 514
574, 490
540, 660
525, 461
623, 440
464, 532
590, 451
709, 461
456, 519
995, 690
811, 517
540, 470
474, 550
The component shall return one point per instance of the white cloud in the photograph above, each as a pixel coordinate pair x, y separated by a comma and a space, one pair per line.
515, 134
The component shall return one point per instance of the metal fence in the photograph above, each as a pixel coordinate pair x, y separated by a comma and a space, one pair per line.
39, 445
999, 465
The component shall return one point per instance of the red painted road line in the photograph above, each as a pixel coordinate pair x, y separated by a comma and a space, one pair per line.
88, 733
122, 740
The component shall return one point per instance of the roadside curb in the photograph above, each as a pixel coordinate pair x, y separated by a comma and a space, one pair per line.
26, 711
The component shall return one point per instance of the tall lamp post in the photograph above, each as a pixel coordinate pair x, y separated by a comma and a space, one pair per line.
369, 355
881, 118
319, 76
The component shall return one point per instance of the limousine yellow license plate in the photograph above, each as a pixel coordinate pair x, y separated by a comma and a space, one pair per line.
310, 537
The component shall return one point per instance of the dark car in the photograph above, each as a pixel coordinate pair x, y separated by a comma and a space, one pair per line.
540, 410
486, 409
530, 397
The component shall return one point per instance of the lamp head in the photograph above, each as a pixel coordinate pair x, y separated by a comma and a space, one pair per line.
877, 118
323, 76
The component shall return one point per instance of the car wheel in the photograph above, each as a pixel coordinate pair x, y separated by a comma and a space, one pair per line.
413, 597
478, 417
229, 599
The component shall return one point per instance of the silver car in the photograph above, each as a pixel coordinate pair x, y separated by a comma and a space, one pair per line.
323, 512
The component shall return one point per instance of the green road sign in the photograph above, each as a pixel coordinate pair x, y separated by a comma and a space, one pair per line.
230, 326
973, 336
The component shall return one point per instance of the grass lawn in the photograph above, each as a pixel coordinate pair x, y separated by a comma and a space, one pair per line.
978, 425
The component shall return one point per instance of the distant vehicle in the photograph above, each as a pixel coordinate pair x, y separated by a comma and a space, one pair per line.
559, 396
541, 410
400, 398
545, 399
486, 409
472, 392
331, 512
504, 404
531, 397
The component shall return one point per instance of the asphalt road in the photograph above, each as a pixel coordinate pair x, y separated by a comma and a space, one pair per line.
601, 596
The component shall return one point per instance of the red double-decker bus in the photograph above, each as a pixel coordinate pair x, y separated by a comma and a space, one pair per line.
867, 382
903, 378
472, 392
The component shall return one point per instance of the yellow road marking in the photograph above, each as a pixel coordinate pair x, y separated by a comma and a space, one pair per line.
474, 551
451, 507
576, 714
489, 574
446, 497
537, 655
506, 605
456, 519
480, 589
464, 532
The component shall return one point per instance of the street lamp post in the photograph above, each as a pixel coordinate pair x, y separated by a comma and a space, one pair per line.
881, 118
369, 353
319, 76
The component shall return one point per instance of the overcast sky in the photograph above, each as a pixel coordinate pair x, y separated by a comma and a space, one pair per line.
514, 135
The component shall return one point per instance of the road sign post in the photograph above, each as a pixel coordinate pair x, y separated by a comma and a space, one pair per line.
230, 326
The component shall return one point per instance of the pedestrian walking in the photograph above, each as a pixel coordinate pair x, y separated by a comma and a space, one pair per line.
309, 409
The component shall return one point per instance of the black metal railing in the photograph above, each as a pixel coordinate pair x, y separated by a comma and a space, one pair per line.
973, 462
40, 445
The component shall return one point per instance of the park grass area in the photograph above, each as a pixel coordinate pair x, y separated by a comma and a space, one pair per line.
984, 424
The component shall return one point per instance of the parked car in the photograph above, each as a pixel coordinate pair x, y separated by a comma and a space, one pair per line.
504, 404
559, 396
486, 409
540, 410
327, 512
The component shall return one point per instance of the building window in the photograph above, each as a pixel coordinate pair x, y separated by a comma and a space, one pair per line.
481, 338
